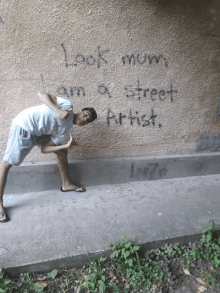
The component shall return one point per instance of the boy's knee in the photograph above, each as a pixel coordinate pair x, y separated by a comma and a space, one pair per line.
6, 165
61, 152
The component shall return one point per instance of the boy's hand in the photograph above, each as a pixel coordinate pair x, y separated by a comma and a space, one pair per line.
64, 114
71, 142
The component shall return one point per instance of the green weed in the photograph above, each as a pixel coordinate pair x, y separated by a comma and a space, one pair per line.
5, 284
208, 248
95, 278
25, 279
38, 288
53, 274
66, 286
137, 269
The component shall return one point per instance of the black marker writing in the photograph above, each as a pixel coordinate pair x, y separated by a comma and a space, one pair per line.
78, 91
141, 93
89, 60
102, 89
138, 59
134, 117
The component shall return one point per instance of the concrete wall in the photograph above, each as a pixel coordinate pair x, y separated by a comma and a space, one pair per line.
150, 68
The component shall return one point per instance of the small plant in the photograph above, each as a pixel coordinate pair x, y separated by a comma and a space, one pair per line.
66, 286
52, 274
25, 279
139, 270
5, 283
210, 278
38, 288
95, 279
208, 248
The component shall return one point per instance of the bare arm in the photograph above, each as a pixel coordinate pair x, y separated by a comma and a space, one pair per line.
50, 147
51, 101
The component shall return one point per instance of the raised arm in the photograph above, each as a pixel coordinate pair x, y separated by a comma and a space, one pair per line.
51, 101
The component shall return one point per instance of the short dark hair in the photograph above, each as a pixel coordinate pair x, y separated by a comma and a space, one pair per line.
92, 111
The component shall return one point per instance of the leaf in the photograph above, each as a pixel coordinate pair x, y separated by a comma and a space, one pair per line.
41, 284
102, 259
116, 253
126, 238
130, 262
201, 289
92, 285
186, 271
52, 274
92, 277
85, 277
136, 248
2, 291
200, 281
127, 245
126, 254
39, 287
73, 270
42, 278
101, 285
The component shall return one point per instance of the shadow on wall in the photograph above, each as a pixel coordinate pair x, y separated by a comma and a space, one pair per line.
193, 3
192, 15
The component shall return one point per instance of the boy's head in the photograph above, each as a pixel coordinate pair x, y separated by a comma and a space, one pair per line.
87, 115
93, 113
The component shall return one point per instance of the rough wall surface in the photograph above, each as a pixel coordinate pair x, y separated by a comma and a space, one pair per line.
151, 69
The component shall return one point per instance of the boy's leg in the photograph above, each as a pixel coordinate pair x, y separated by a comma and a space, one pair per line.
62, 163
4, 168
19, 145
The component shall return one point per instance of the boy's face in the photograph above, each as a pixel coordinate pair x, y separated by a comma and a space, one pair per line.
84, 118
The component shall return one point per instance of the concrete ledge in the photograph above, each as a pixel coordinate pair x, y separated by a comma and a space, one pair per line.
92, 172
61, 263
78, 261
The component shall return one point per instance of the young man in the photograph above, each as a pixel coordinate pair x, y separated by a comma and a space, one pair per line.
46, 126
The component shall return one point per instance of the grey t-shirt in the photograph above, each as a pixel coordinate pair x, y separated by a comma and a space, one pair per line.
41, 120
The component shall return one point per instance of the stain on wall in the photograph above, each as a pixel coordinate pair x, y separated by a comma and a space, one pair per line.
208, 143
218, 108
